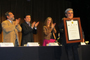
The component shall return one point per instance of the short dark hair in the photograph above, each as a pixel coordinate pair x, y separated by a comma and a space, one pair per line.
26, 15
7, 13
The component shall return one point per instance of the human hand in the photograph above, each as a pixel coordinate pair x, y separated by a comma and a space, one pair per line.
36, 24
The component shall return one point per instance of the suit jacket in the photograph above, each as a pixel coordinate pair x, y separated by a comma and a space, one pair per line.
27, 33
10, 31
47, 33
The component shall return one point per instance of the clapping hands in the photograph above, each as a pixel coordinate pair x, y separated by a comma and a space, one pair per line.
17, 21
34, 24
53, 25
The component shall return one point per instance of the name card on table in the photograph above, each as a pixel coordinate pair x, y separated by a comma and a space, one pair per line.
32, 44
53, 44
83, 43
6, 44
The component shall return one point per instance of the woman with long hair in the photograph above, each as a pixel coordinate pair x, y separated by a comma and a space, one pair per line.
49, 31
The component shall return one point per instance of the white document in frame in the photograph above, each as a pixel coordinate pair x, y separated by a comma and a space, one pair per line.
73, 30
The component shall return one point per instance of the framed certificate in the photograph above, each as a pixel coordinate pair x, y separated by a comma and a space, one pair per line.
73, 30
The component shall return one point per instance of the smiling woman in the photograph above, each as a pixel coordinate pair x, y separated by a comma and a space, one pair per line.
49, 31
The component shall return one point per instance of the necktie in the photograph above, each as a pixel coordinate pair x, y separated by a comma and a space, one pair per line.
29, 24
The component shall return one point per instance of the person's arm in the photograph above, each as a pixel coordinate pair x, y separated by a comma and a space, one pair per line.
18, 27
25, 30
55, 30
83, 35
34, 30
61, 27
7, 28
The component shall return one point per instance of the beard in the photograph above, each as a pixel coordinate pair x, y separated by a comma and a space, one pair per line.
12, 18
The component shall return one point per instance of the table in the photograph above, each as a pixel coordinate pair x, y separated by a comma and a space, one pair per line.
41, 53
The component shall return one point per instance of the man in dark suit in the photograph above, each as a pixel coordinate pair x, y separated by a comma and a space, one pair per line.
71, 48
28, 30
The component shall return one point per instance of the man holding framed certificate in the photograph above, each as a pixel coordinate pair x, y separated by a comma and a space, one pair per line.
72, 34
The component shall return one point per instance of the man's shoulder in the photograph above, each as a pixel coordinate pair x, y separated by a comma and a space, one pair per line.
6, 21
23, 23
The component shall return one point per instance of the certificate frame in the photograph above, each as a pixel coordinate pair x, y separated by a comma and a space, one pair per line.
67, 33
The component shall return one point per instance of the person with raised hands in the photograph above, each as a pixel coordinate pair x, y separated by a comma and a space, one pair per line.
11, 29
28, 30
49, 31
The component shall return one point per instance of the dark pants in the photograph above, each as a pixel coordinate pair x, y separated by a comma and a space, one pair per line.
16, 43
72, 51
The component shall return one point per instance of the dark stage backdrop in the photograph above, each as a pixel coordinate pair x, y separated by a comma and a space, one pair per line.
38, 9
